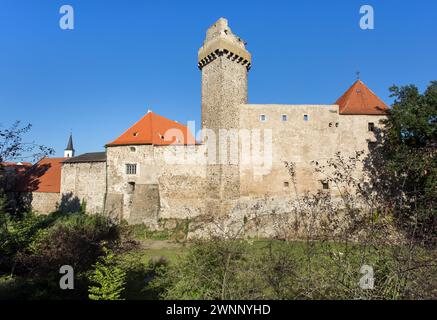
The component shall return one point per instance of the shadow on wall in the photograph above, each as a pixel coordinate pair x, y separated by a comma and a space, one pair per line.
18, 183
69, 203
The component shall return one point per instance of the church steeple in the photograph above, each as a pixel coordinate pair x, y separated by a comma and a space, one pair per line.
69, 151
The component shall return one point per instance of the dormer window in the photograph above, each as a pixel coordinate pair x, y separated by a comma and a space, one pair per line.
135, 134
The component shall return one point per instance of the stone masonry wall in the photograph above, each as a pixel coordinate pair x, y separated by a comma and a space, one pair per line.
176, 189
84, 181
45, 202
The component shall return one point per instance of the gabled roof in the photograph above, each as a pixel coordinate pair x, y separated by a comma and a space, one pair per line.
360, 100
156, 130
88, 157
44, 176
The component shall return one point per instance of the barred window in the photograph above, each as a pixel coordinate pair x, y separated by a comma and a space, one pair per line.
131, 168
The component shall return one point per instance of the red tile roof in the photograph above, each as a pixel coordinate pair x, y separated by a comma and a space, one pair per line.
154, 129
359, 99
16, 164
44, 176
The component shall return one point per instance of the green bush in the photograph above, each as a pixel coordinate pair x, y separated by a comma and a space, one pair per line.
108, 279
76, 240
296, 270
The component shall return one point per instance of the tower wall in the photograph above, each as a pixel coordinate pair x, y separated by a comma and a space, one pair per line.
224, 63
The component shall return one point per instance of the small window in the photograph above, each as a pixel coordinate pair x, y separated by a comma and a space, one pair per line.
325, 185
131, 187
133, 149
262, 117
371, 126
330, 124
135, 134
336, 124
131, 168
284, 117
306, 117
286, 184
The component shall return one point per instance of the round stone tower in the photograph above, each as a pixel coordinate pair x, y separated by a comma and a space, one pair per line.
224, 62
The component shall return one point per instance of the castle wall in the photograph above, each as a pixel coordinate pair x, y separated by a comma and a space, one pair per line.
83, 181
166, 184
44, 202
324, 133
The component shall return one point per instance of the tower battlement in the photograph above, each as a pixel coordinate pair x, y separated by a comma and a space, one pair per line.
220, 41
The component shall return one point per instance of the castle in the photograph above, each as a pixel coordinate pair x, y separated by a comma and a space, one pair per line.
158, 168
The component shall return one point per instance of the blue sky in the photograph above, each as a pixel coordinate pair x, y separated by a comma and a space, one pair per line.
125, 57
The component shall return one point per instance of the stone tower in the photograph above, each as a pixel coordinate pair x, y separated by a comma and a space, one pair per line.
69, 151
224, 62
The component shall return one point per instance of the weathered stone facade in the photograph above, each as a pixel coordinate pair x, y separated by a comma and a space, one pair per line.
44, 202
83, 182
189, 184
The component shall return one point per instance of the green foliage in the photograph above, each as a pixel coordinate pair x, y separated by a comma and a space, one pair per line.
178, 233
17, 234
35, 246
407, 171
108, 279
83, 206
295, 270
208, 271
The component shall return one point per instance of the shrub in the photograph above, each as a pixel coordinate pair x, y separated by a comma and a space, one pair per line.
76, 240
108, 279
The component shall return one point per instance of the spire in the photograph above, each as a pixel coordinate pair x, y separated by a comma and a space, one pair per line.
70, 143
69, 151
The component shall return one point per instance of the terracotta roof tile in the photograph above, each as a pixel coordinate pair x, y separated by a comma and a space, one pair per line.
154, 129
359, 99
44, 176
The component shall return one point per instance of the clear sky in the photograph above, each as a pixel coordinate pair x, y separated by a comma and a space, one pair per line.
125, 57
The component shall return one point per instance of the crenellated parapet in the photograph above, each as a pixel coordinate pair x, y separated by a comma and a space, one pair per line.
237, 58
221, 42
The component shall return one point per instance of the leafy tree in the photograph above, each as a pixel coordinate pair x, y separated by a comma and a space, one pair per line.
407, 170
108, 278
13, 147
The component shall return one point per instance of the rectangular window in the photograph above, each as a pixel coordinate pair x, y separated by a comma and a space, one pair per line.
371, 126
286, 184
306, 117
262, 117
131, 168
284, 117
